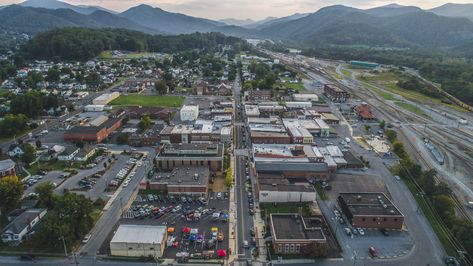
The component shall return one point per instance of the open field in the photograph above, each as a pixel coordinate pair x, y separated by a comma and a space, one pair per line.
411, 108
147, 100
108, 55
388, 80
385, 95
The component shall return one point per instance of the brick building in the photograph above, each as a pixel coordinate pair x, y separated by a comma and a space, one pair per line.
364, 111
370, 210
335, 93
294, 234
259, 95
93, 133
153, 112
170, 156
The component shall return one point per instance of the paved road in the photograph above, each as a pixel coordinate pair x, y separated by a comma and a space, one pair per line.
112, 215
244, 220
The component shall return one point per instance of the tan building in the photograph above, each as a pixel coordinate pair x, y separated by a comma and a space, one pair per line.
138, 240
171, 156
370, 210
182, 181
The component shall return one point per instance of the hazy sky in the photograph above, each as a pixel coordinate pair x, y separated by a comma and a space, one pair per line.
254, 9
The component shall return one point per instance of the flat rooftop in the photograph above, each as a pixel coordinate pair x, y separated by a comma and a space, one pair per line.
369, 203
294, 227
132, 233
191, 150
184, 176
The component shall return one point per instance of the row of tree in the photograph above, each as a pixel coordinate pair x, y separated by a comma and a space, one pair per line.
81, 44
33, 103
437, 194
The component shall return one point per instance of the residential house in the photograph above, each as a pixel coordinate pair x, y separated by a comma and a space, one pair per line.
85, 153
68, 154
17, 229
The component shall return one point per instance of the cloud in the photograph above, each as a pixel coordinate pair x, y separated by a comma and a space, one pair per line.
255, 9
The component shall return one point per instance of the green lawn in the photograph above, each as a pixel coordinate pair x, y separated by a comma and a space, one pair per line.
149, 100
346, 72
108, 55
411, 108
385, 95
50, 165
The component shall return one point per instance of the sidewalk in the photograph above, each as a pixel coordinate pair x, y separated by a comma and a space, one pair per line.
232, 241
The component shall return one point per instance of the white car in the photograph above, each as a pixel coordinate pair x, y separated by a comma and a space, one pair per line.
361, 231
397, 177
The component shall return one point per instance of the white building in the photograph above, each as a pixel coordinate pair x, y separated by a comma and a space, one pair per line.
189, 112
138, 240
16, 230
303, 97
93, 108
106, 98
324, 128
298, 105
272, 189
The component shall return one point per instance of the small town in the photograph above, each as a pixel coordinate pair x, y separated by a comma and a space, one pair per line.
209, 149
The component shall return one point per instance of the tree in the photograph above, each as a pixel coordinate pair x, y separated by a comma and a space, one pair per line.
46, 194
144, 123
122, 139
29, 154
229, 177
445, 206
105, 165
53, 75
399, 150
11, 191
391, 135
70, 107
161, 86
367, 128
382, 124
38, 144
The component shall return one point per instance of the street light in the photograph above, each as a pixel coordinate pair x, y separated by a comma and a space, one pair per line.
64, 244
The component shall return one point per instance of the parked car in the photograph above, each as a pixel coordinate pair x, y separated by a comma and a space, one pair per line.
86, 239
361, 231
373, 252
348, 231
449, 260
385, 232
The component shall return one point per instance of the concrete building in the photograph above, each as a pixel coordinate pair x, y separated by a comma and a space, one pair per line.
370, 210
302, 97
138, 240
295, 162
182, 181
294, 234
189, 112
170, 156
335, 93
252, 110
277, 188
94, 108
105, 98
7, 168
298, 105
17, 229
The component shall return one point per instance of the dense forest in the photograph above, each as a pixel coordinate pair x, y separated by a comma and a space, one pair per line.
82, 44
455, 74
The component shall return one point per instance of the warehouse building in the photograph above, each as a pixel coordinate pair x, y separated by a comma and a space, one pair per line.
138, 241
170, 156
370, 210
105, 98
295, 234
302, 97
93, 133
277, 188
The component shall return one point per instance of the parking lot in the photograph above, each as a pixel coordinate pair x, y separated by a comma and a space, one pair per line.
54, 177
192, 222
388, 244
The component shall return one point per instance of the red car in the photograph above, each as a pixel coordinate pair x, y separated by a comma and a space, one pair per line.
373, 252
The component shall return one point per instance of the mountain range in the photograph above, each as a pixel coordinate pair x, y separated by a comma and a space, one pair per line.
387, 26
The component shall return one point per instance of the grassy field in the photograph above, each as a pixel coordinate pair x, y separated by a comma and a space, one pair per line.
268, 208
108, 55
411, 108
147, 100
346, 72
50, 165
389, 80
385, 95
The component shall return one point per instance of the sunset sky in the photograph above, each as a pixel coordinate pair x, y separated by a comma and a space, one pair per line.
218, 9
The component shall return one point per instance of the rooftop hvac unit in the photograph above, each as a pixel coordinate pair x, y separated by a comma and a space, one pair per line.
385, 206
179, 181
359, 197
391, 212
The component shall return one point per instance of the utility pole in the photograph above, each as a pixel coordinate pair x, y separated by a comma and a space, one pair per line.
64, 244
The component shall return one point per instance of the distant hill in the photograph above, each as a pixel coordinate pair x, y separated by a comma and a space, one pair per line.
454, 10
54, 4
392, 10
272, 20
341, 25
33, 20
171, 23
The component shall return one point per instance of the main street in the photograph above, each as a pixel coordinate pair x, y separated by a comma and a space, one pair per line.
244, 220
